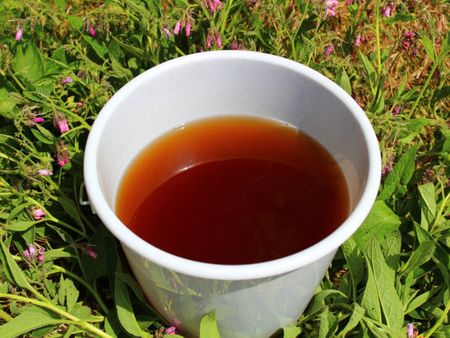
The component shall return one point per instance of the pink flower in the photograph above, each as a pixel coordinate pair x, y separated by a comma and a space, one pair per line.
62, 154
177, 28
188, 29
410, 330
388, 166
396, 110
41, 257
410, 35
60, 122
170, 330
167, 31
387, 11
348, 2
218, 40
37, 213
38, 120
19, 34
406, 44
329, 50
357, 42
330, 7
213, 5
92, 31
45, 172
91, 252
30, 252
209, 40
66, 80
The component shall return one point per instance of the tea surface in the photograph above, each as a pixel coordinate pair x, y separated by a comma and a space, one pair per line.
233, 190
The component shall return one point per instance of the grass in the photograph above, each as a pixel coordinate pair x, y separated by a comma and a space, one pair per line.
72, 57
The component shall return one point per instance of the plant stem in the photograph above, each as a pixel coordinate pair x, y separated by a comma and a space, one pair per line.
377, 36
76, 321
439, 322
422, 91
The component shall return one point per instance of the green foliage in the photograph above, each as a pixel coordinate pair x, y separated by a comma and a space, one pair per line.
393, 271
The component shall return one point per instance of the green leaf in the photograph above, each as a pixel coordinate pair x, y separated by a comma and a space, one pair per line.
100, 49
75, 22
208, 326
20, 225
43, 134
355, 318
12, 270
371, 73
343, 81
427, 201
428, 46
421, 255
31, 319
58, 253
355, 261
385, 284
379, 223
400, 175
370, 300
124, 310
27, 62
71, 294
7, 104
71, 210
291, 331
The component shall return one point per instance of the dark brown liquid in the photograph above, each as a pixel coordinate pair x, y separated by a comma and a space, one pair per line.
233, 190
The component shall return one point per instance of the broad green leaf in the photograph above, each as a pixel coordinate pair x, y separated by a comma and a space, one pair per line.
61, 291
12, 270
379, 223
75, 22
84, 313
208, 326
71, 210
31, 319
400, 175
124, 310
370, 300
418, 301
58, 253
112, 325
133, 285
355, 318
291, 331
421, 255
20, 225
355, 261
370, 70
28, 62
318, 302
43, 134
7, 104
391, 246
343, 81
427, 201
71, 294
384, 280
99, 48
428, 46
324, 324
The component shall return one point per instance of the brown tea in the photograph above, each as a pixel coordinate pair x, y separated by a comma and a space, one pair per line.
233, 190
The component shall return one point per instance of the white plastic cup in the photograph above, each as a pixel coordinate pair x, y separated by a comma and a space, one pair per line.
250, 300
